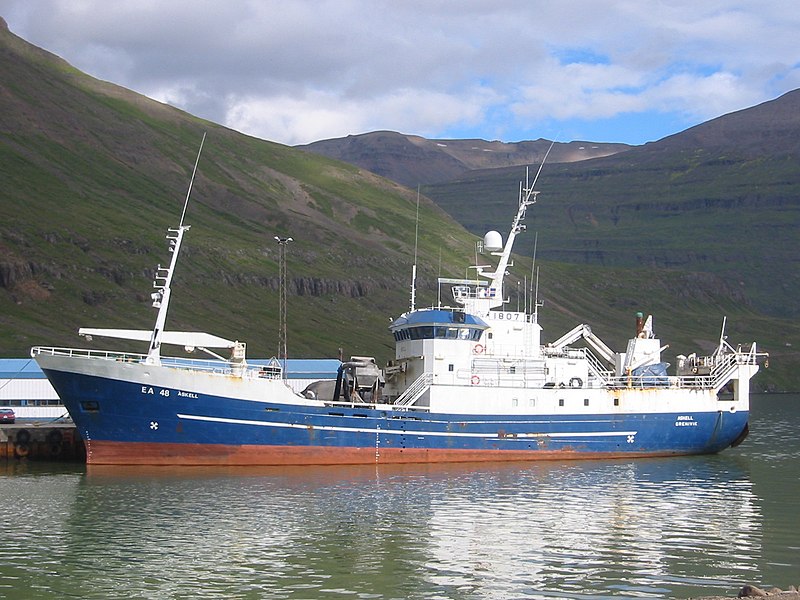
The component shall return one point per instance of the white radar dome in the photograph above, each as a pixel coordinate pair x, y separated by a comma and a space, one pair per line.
493, 241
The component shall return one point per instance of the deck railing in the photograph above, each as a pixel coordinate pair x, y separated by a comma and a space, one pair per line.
216, 367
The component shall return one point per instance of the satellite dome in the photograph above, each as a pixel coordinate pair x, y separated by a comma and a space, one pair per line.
493, 241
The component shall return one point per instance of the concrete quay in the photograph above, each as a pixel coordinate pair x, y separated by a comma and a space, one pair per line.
41, 440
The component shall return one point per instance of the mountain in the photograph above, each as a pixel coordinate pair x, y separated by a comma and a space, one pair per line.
93, 175
717, 203
722, 197
413, 160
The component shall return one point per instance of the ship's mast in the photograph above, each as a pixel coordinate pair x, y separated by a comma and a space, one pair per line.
527, 196
163, 278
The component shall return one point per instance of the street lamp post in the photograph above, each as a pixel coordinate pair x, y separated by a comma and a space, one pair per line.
282, 352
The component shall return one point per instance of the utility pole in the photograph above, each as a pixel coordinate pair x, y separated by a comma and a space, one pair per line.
282, 353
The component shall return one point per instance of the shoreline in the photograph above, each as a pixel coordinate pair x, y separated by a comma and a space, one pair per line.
751, 591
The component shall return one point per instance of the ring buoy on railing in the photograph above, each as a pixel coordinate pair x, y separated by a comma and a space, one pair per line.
475, 380
576, 382
477, 349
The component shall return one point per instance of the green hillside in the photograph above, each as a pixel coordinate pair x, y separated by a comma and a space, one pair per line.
93, 174
720, 198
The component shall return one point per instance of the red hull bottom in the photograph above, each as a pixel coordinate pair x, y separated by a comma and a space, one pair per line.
120, 453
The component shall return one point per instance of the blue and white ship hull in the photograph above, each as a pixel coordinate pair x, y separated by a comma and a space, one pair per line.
133, 413
470, 382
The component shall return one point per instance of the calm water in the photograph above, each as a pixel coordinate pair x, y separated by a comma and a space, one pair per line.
666, 528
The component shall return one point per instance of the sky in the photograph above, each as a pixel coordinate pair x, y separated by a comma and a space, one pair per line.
297, 71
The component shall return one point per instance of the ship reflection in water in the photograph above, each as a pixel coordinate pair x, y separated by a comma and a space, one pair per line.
675, 527
635, 528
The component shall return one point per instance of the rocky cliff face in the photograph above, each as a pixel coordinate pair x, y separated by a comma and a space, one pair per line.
314, 286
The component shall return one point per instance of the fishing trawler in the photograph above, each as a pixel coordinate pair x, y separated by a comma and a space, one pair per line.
470, 381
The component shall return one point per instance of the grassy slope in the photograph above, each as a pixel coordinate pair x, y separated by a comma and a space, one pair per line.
698, 210
93, 175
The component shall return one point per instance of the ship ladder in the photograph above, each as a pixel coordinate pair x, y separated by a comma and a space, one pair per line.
723, 373
415, 390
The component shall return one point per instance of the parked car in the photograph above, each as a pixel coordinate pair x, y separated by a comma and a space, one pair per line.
7, 415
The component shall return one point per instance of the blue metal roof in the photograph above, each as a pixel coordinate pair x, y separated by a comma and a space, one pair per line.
435, 316
20, 368
296, 368
304, 368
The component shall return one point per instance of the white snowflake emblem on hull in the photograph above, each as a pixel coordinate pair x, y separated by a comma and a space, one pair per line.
631, 439
153, 425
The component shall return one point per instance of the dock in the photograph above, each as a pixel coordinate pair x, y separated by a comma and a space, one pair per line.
41, 441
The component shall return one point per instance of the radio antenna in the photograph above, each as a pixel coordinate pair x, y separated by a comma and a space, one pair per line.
533, 266
541, 166
414, 267
191, 181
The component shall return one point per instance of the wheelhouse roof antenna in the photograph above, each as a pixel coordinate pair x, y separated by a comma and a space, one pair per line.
414, 267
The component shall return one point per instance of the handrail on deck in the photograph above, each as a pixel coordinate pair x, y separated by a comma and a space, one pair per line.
191, 364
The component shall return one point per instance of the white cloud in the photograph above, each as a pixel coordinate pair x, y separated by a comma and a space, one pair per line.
699, 97
322, 115
311, 69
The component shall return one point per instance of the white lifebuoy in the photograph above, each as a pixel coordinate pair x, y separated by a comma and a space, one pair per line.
475, 380
477, 349
576, 382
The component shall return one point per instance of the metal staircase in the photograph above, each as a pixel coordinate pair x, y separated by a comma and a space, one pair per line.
726, 367
415, 390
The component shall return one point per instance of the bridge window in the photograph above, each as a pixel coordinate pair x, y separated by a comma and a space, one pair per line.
428, 332
422, 333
